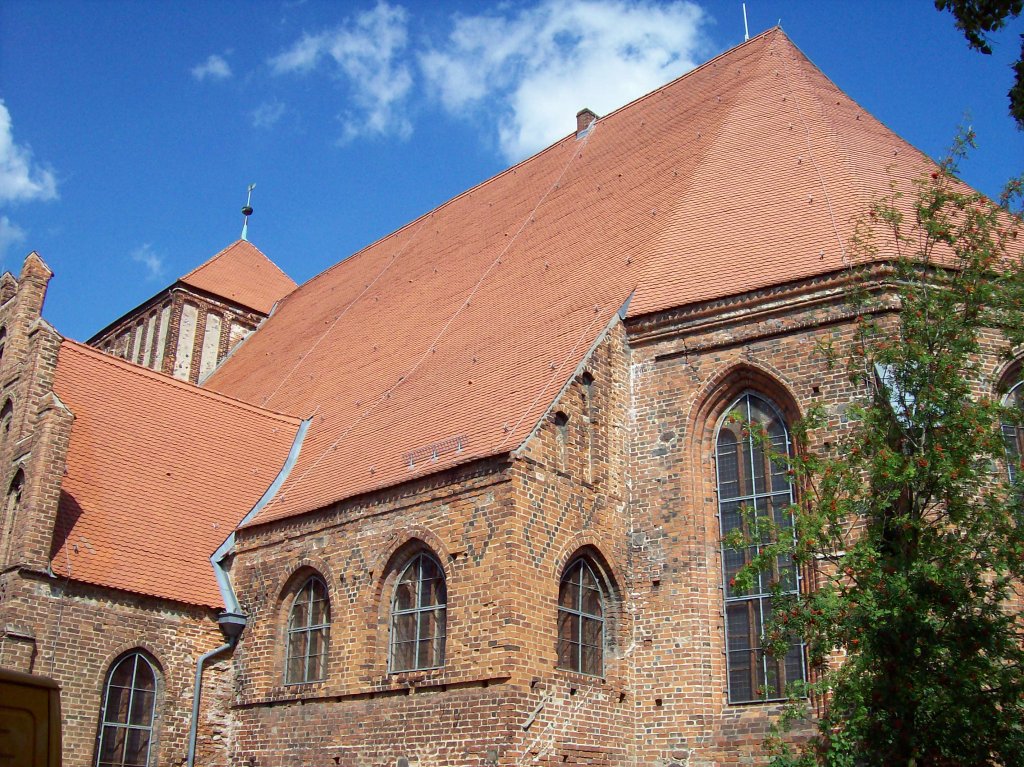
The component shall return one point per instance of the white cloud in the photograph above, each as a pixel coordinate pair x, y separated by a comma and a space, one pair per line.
153, 262
536, 69
302, 56
215, 67
365, 53
21, 180
10, 236
267, 114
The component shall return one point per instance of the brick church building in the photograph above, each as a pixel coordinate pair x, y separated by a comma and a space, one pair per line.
459, 499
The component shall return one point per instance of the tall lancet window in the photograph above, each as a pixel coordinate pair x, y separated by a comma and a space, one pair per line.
1013, 435
749, 480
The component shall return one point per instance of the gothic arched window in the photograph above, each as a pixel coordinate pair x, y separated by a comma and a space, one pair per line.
6, 418
309, 628
581, 619
10, 513
419, 616
129, 707
750, 482
1013, 434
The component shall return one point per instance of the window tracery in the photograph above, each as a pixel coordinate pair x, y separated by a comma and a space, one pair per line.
749, 481
309, 627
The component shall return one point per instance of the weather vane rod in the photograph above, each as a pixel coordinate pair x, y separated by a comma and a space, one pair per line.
246, 212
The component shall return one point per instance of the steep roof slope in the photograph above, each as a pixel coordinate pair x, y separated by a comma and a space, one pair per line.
243, 274
447, 340
159, 473
788, 167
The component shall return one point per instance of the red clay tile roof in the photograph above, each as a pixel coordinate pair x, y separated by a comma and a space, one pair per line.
457, 331
244, 275
159, 473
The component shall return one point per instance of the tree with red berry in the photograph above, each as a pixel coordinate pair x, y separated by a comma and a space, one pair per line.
908, 523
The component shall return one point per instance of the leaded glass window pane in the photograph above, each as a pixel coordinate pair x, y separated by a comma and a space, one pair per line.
129, 707
309, 631
419, 616
581, 620
750, 480
1013, 435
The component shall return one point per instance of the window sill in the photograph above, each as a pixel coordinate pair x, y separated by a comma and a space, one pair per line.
296, 690
743, 704
581, 678
405, 683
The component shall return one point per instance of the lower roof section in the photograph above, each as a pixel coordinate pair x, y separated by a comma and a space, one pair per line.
158, 474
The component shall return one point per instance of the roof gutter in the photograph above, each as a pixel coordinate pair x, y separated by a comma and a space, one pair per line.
232, 620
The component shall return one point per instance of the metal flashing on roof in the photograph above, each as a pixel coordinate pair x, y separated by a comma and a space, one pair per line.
223, 551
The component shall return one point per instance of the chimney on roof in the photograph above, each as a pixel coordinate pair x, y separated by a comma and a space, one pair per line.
584, 119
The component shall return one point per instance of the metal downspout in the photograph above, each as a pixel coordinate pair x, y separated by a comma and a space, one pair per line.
197, 694
232, 621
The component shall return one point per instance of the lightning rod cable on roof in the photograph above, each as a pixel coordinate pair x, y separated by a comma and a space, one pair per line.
327, 331
386, 394
810, 153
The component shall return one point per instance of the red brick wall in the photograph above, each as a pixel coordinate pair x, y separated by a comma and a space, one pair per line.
620, 469
36, 441
503, 534
136, 322
625, 473
73, 633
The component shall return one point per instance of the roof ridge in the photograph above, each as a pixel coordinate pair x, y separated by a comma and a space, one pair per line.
833, 133
224, 250
441, 206
144, 372
706, 148
799, 84
695, 70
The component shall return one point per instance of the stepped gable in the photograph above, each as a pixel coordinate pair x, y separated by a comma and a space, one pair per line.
243, 274
158, 474
462, 327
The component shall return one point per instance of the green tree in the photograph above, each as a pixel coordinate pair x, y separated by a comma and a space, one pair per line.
977, 18
908, 521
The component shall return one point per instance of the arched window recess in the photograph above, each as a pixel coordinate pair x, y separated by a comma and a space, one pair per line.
750, 483
582, 618
419, 616
129, 709
1013, 432
309, 628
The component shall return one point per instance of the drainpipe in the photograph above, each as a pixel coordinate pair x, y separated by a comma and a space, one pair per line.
232, 621
231, 624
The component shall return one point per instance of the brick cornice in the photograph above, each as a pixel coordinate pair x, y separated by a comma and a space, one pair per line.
758, 306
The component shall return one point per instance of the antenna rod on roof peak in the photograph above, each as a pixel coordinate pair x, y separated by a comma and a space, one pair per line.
746, 29
246, 212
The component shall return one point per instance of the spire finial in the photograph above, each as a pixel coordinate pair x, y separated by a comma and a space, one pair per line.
246, 212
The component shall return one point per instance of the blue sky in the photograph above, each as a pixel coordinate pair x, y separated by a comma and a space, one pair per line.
130, 130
